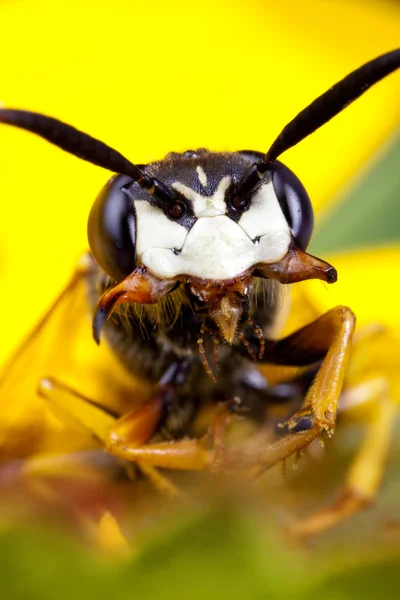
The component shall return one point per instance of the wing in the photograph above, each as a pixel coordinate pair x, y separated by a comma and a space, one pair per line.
60, 347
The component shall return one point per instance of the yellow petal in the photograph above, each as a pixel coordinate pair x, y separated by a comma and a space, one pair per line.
62, 350
368, 282
110, 538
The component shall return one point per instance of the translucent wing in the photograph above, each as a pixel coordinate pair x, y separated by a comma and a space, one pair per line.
60, 347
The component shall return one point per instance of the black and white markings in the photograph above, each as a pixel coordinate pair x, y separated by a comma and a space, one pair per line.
215, 247
201, 175
206, 206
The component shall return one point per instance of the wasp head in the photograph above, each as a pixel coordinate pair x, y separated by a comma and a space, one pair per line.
222, 220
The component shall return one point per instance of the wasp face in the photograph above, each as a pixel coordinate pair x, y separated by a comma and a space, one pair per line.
214, 229
223, 220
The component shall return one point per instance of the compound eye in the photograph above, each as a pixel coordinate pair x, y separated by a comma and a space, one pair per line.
112, 229
295, 204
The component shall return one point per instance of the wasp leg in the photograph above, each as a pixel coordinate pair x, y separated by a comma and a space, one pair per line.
222, 419
366, 472
126, 437
328, 338
271, 454
159, 481
68, 405
133, 428
186, 455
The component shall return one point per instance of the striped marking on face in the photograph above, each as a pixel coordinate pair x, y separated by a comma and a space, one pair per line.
202, 176
215, 247
206, 206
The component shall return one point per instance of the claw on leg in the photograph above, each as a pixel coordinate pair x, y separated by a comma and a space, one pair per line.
335, 331
327, 338
271, 454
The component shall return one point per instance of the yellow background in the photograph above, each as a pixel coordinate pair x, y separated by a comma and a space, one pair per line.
150, 77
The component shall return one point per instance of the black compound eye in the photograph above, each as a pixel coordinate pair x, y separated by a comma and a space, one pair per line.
112, 229
295, 203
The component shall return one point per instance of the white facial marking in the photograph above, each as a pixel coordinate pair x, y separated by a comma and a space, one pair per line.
217, 248
265, 215
202, 176
155, 230
206, 206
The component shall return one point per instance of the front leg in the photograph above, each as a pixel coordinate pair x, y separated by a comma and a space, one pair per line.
327, 338
131, 436
329, 335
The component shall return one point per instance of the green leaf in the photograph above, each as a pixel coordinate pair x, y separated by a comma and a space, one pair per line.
216, 555
367, 582
368, 213
40, 564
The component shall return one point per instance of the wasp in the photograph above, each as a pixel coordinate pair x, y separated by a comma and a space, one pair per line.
188, 260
